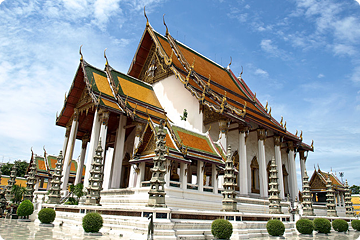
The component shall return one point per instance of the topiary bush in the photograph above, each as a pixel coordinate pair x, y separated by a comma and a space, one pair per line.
340, 225
92, 222
25, 208
322, 225
221, 229
355, 225
46, 215
305, 226
275, 227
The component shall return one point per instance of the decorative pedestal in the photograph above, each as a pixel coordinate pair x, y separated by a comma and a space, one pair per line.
306, 196
274, 199
330, 198
55, 195
229, 203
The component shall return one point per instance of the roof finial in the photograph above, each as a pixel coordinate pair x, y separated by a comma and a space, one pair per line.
167, 30
296, 132
81, 56
312, 144
105, 57
281, 121
147, 20
242, 70
254, 97
301, 135
270, 112
266, 106
228, 67
285, 125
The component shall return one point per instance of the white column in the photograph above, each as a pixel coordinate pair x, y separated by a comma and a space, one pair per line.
243, 176
66, 140
119, 153
279, 164
200, 175
107, 168
293, 183
69, 151
183, 176
214, 179
167, 173
80, 166
262, 164
140, 176
133, 174
223, 127
94, 139
302, 164
103, 129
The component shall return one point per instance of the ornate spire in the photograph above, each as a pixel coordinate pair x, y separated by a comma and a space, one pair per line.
330, 198
54, 196
229, 196
31, 179
11, 183
348, 204
306, 196
274, 199
157, 192
96, 178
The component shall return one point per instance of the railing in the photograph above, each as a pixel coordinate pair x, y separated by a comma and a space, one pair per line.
208, 189
145, 184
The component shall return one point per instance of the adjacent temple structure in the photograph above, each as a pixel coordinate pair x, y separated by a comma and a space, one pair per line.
274, 199
349, 209
55, 195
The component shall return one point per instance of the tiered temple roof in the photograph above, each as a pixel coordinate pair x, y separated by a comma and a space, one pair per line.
319, 178
216, 87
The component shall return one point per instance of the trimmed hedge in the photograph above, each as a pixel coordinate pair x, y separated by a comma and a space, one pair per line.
340, 225
92, 222
221, 229
275, 227
25, 208
322, 225
46, 215
355, 225
305, 226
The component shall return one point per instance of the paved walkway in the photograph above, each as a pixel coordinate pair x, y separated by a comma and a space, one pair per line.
11, 229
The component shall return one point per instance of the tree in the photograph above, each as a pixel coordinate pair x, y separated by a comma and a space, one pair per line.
21, 168
18, 192
78, 191
355, 189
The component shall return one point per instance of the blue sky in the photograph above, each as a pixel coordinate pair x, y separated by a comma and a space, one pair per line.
302, 56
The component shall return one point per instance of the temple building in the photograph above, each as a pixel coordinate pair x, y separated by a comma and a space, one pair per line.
318, 188
205, 108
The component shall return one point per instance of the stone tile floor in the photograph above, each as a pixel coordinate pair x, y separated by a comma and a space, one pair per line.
11, 229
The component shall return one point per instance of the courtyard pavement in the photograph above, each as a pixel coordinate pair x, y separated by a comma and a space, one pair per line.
11, 229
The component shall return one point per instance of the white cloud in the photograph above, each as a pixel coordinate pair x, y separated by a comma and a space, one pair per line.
342, 49
1, 1
358, 1
355, 77
320, 75
261, 72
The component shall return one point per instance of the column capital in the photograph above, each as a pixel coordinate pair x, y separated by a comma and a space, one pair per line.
243, 128
138, 128
261, 134
302, 154
277, 140
104, 116
75, 114
223, 126
85, 139
290, 145
67, 132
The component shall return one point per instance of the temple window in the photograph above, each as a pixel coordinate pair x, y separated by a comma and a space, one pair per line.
255, 184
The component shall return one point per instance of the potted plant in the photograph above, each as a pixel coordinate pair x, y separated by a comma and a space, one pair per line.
25, 209
46, 217
92, 223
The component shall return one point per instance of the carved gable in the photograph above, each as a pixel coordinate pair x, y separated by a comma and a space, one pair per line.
316, 183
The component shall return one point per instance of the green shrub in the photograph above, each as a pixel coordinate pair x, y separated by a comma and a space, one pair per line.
322, 225
221, 229
92, 222
340, 225
305, 226
275, 227
46, 215
355, 225
25, 208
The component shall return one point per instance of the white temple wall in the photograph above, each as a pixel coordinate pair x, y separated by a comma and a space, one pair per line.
214, 131
269, 149
233, 140
251, 151
174, 98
